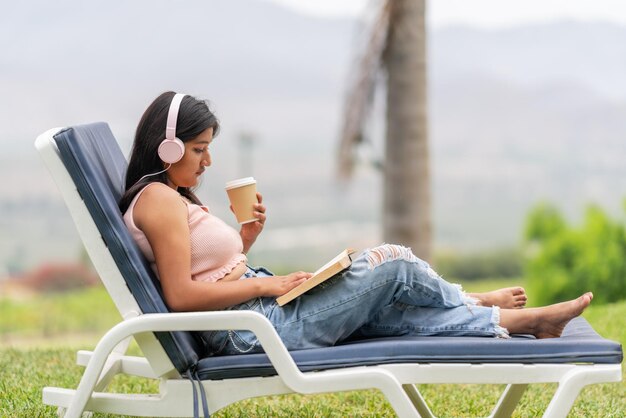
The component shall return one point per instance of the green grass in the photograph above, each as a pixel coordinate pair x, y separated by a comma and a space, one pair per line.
24, 372
57, 314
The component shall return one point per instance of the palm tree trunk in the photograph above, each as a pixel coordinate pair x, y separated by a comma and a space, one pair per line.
406, 211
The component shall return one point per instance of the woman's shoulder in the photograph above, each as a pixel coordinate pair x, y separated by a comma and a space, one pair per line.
157, 199
159, 191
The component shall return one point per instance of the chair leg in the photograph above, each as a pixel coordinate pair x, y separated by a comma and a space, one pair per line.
563, 399
418, 400
572, 383
61, 413
113, 365
567, 392
508, 401
123, 345
93, 373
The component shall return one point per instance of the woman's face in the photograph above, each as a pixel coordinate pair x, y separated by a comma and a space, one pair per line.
187, 171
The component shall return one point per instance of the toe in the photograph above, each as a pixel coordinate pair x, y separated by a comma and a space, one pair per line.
518, 291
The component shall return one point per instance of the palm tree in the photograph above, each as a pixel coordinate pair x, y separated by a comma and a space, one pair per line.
397, 48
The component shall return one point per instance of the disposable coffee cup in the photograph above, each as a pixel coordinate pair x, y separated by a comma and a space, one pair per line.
242, 196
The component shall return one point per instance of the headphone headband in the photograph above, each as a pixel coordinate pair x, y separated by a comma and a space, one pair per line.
172, 116
172, 149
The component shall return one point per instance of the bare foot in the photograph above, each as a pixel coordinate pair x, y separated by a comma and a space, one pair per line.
551, 320
506, 298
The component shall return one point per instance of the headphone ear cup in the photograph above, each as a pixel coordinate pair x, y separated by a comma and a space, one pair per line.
171, 150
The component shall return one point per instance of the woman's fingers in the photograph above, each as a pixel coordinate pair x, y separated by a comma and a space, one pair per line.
259, 212
283, 284
300, 275
260, 207
297, 280
260, 216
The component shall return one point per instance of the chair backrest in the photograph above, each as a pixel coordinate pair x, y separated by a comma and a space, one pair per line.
96, 164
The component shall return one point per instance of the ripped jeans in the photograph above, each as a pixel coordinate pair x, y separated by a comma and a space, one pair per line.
387, 291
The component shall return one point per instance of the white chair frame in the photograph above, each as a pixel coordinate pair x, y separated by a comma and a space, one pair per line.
175, 398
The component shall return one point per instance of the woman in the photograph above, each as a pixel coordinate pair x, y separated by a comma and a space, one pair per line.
201, 261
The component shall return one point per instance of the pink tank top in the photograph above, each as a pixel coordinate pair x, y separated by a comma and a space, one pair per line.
216, 248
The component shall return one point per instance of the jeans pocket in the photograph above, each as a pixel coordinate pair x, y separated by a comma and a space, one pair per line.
230, 342
241, 342
216, 341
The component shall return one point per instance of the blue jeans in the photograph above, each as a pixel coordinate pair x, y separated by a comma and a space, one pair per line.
387, 291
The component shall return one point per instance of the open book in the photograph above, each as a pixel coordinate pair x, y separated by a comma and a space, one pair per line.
341, 262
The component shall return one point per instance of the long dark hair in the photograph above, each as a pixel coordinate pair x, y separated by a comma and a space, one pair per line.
194, 117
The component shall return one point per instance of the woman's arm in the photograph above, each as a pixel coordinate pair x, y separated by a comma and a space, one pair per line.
208, 296
162, 216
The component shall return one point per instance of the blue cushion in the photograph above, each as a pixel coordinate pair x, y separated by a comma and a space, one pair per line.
96, 164
578, 344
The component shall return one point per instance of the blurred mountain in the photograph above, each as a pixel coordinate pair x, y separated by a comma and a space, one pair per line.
517, 115
75, 61
591, 54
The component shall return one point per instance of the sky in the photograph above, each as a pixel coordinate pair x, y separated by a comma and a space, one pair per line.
482, 13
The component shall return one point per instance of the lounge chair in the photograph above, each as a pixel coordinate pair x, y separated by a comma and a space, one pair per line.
88, 167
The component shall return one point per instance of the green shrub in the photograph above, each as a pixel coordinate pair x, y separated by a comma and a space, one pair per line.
564, 261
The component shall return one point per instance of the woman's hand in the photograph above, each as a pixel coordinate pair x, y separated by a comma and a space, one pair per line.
250, 231
279, 285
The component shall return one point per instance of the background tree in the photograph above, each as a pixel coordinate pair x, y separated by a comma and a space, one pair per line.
396, 48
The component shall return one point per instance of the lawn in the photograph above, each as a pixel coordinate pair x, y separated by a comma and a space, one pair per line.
51, 362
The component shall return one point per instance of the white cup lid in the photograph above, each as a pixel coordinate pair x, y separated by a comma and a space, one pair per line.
240, 182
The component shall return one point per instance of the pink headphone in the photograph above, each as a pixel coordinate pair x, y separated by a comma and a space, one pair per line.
172, 149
